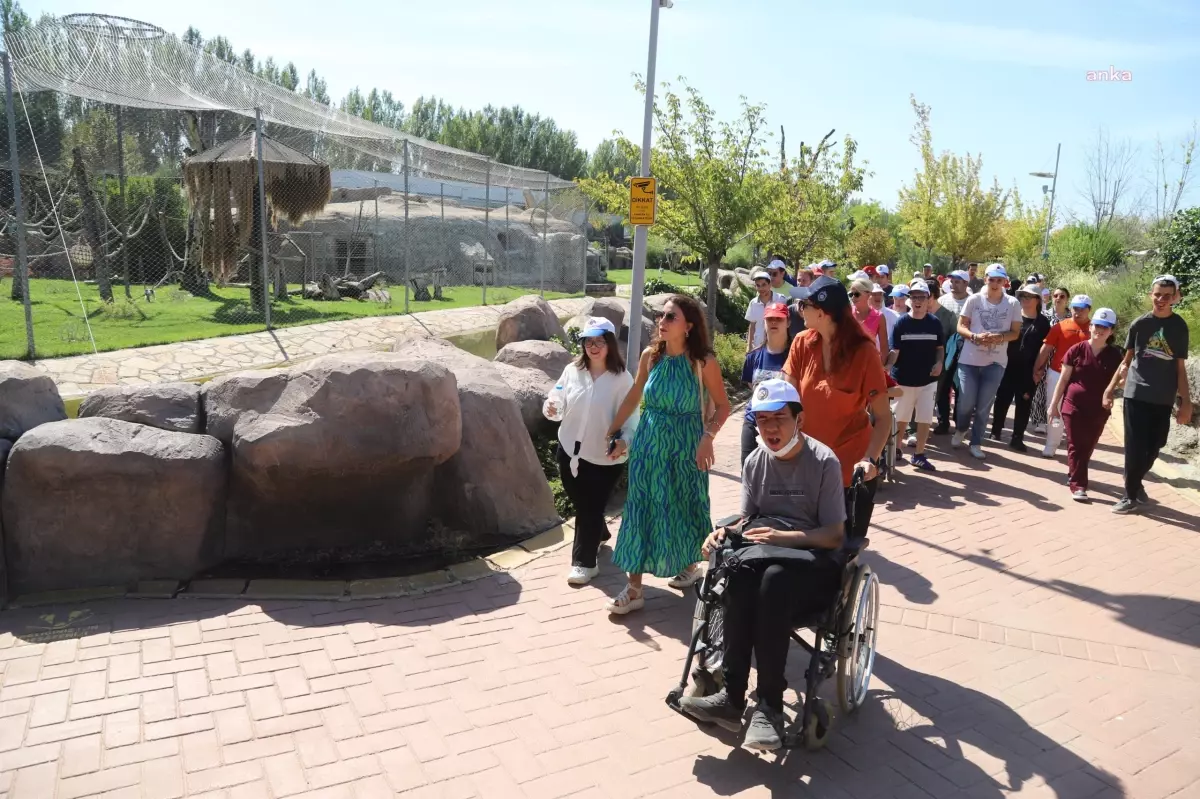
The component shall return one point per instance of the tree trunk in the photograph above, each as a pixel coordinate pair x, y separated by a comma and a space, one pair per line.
93, 227
714, 265
192, 279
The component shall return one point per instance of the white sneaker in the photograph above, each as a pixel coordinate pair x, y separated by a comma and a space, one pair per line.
977, 452
1039, 428
911, 441
581, 575
958, 439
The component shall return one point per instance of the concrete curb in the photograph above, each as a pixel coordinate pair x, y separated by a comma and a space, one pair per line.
508, 560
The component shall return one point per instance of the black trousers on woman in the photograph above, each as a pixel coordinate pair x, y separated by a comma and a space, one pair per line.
589, 493
1016, 386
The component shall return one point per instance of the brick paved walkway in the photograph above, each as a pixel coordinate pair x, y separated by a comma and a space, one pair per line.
1030, 646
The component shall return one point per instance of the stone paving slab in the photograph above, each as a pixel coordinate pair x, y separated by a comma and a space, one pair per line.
79, 375
1028, 646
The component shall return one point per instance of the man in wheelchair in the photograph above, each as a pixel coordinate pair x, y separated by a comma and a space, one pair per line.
792, 497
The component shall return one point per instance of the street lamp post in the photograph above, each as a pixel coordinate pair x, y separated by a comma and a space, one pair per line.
640, 232
1053, 188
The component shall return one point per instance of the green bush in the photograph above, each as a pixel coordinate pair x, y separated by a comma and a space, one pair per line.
1086, 248
656, 253
547, 449
731, 355
740, 255
1181, 247
656, 286
730, 311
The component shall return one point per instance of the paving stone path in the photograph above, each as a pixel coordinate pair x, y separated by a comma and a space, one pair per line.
1029, 646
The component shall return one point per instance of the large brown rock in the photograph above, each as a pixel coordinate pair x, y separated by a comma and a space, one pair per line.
494, 486
100, 501
529, 387
167, 406
28, 398
528, 318
546, 356
336, 454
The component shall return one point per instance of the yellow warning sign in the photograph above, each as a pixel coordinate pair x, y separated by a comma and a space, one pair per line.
643, 201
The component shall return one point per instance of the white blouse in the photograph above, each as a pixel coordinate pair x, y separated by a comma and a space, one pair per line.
587, 408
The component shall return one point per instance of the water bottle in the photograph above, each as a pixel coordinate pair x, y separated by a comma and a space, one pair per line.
554, 406
1054, 434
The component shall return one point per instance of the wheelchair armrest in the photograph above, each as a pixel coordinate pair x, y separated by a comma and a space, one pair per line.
854, 546
728, 521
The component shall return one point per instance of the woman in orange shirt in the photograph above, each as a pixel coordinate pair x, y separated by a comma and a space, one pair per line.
835, 366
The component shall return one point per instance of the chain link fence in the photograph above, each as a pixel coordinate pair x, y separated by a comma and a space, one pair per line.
124, 245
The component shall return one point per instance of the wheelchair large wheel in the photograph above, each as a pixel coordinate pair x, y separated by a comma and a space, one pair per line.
858, 627
707, 677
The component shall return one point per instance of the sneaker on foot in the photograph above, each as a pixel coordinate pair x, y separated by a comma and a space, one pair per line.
1017, 445
1039, 428
911, 441
716, 709
996, 437
958, 439
922, 463
1079, 495
763, 734
1126, 505
581, 575
941, 430
1143, 498
900, 461
977, 452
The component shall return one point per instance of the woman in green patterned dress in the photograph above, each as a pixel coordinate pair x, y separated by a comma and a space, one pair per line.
667, 513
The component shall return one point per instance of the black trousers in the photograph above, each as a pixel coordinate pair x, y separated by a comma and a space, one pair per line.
761, 605
749, 438
589, 493
1016, 386
1147, 426
945, 384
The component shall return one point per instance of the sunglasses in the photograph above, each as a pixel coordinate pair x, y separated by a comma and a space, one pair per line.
855, 294
669, 316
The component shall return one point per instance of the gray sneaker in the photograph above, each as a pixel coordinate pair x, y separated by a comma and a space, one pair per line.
763, 734
1142, 497
716, 709
1126, 505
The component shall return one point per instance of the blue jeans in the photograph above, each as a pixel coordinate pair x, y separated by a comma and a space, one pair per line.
979, 386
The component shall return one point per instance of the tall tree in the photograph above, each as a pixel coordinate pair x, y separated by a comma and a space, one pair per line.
1110, 171
712, 187
1172, 174
610, 159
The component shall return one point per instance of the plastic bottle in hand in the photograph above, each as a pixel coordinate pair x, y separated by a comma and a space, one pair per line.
554, 405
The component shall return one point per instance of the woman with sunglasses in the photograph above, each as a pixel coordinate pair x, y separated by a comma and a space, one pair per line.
667, 514
836, 368
585, 400
1055, 311
871, 319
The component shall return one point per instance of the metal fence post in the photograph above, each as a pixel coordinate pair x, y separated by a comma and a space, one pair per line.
21, 273
375, 233
586, 228
507, 234
545, 224
487, 214
262, 216
407, 238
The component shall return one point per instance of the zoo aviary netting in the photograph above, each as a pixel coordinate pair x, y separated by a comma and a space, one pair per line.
115, 60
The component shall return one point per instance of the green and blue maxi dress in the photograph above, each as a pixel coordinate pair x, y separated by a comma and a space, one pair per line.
667, 514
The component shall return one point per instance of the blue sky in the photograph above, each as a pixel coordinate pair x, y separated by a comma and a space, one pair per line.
1005, 80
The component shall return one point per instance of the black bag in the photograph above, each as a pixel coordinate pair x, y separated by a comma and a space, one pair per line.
745, 555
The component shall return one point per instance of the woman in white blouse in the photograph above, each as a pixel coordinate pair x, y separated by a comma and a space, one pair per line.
585, 400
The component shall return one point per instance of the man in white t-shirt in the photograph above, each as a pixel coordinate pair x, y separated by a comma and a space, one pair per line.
989, 320
756, 336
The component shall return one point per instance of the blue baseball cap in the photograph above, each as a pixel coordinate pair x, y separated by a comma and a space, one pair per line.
1105, 317
899, 291
771, 395
960, 274
597, 326
997, 270
1081, 301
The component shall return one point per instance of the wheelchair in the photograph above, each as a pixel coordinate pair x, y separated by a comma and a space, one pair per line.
843, 638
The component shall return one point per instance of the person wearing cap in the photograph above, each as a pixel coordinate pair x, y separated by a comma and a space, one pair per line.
1018, 383
584, 401
870, 318
883, 276
989, 320
949, 307
757, 334
899, 297
778, 272
877, 302
1153, 372
791, 497
918, 352
781, 265
682, 397
765, 363
836, 368
1087, 369
974, 281
1061, 338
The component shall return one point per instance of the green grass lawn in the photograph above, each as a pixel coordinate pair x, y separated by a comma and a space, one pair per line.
59, 327
625, 277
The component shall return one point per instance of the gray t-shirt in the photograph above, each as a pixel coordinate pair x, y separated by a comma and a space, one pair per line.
988, 317
1158, 345
805, 491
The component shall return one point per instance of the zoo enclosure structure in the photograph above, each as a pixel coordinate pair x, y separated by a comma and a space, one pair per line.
98, 223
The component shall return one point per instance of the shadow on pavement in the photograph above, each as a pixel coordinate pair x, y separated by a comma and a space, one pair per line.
921, 731
915, 587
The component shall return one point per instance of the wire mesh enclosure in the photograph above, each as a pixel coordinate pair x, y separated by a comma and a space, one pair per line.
164, 193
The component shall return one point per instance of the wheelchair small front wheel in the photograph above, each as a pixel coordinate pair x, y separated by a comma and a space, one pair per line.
858, 629
704, 683
819, 725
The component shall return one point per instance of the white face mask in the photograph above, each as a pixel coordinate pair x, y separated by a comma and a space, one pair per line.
783, 451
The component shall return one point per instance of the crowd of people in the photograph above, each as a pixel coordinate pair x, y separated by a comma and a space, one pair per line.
828, 363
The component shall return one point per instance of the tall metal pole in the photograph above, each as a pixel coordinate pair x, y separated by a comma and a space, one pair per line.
1050, 215
21, 274
407, 238
375, 234
545, 246
487, 214
121, 193
640, 233
507, 234
262, 214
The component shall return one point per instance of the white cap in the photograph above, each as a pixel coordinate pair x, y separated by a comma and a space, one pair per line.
761, 274
960, 274
771, 395
876, 288
882, 269
1029, 288
1174, 281
919, 285
997, 270
1105, 317
597, 326
899, 290
859, 275
777, 264
929, 265
1081, 301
